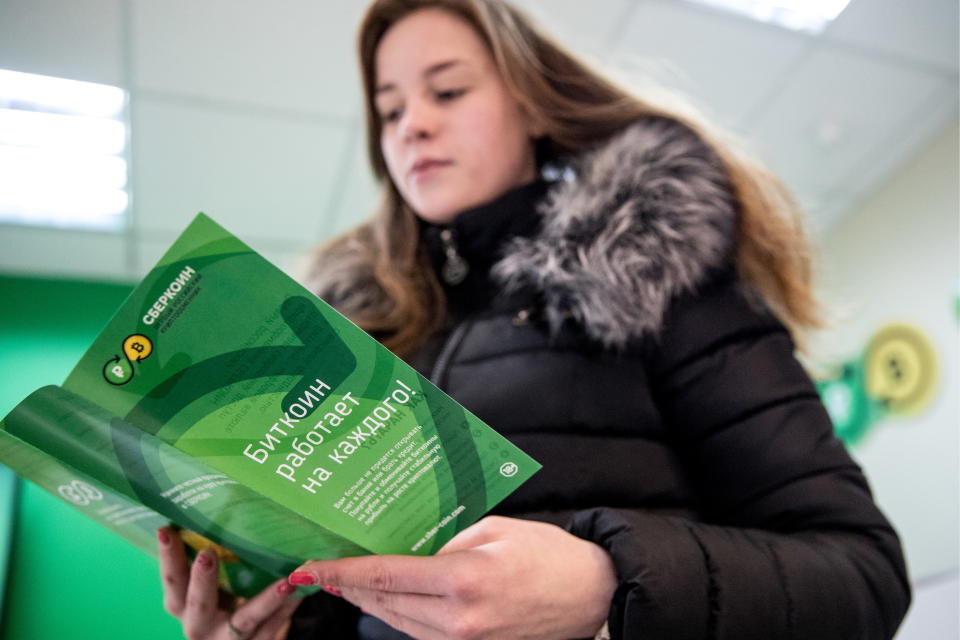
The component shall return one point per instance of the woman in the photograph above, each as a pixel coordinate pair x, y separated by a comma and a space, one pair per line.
631, 325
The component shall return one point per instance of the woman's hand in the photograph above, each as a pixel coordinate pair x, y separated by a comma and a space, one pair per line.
500, 578
191, 595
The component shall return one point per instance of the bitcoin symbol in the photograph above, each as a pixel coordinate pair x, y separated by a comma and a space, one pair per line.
136, 348
901, 369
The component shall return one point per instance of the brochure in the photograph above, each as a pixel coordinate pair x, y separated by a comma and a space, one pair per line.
225, 398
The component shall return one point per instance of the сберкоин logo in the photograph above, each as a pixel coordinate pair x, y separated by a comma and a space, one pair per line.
136, 348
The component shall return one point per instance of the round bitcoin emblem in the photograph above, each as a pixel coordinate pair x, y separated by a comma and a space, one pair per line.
901, 369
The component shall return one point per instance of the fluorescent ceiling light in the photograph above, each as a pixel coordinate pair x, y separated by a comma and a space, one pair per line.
51, 169
811, 16
46, 93
90, 208
57, 131
62, 148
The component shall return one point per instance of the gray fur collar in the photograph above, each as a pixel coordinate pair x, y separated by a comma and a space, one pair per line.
649, 215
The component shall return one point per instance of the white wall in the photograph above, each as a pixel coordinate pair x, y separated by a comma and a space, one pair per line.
933, 613
895, 259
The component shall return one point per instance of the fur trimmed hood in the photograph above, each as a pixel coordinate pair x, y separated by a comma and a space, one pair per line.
645, 216
649, 215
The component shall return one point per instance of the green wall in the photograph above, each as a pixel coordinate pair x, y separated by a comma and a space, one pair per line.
69, 577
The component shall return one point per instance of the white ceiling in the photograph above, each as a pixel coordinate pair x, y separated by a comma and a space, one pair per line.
251, 110
833, 114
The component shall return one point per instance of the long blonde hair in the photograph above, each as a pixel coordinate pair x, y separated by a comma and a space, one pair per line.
578, 109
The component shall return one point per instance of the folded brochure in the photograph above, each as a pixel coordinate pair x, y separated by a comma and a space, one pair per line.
227, 399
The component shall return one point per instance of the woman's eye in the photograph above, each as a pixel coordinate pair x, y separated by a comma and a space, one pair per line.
450, 95
441, 96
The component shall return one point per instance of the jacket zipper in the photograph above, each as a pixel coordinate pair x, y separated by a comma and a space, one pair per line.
455, 268
446, 353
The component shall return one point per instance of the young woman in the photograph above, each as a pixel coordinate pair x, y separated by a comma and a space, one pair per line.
619, 293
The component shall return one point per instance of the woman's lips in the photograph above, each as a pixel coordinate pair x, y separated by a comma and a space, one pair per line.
428, 169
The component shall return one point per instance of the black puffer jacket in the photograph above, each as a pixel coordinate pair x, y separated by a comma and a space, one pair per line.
607, 336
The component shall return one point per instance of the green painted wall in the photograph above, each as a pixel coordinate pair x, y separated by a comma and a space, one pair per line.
69, 577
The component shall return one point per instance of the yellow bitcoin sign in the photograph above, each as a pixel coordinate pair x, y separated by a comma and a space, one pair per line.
137, 347
901, 368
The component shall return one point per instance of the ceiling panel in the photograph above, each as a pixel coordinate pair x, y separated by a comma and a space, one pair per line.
582, 26
79, 39
824, 210
833, 116
936, 117
259, 176
727, 64
294, 55
924, 31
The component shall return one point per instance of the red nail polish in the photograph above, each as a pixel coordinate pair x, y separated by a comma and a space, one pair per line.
333, 591
301, 577
205, 561
163, 537
286, 588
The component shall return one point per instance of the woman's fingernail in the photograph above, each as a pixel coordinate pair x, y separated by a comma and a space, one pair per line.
301, 577
205, 560
333, 591
285, 588
163, 537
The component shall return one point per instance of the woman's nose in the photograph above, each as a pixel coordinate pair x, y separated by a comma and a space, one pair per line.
418, 121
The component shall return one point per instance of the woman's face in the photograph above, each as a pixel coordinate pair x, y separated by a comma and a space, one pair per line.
452, 135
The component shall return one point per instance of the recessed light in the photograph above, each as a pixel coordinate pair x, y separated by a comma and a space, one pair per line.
810, 16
